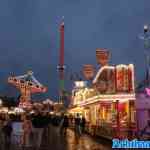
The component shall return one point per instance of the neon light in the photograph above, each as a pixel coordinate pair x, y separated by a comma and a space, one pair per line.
99, 72
132, 69
131, 66
147, 91
122, 98
103, 112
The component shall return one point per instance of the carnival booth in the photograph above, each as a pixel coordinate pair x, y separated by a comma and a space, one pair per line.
109, 103
143, 112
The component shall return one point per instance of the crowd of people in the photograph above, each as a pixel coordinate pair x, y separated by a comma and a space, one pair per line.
27, 129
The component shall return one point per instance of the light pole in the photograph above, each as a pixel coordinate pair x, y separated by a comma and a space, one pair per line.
146, 38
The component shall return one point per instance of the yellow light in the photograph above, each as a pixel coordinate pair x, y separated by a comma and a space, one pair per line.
95, 113
103, 112
1, 102
11, 112
99, 72
80, 84
51, 112
114, 100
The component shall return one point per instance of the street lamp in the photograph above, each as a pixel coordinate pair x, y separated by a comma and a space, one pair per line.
146, 38
1, 102
145, 28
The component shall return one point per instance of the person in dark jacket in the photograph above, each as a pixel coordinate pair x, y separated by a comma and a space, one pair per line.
45, 126
7, 130
38, 127
83, 122
78, 125
65, 125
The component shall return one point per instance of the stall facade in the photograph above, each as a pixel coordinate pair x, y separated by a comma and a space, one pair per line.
109, 104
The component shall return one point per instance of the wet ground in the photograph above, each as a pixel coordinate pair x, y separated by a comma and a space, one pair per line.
70, 141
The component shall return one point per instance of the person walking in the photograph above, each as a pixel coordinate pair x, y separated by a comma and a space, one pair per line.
78, 125
65, 125
61, 123
38, 127
83, 123
46, 127
2, 121
27, 129
7, 130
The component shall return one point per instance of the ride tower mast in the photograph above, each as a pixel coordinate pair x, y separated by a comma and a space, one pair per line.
61, 67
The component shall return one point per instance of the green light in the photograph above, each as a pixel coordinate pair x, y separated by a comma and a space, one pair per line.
61, 83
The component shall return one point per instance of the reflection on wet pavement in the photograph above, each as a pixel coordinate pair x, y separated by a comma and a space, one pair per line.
73, 142
53, 140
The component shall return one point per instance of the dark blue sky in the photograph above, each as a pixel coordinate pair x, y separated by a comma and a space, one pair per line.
29, 37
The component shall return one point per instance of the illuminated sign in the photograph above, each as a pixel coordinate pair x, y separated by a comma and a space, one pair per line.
80, 84
88, 71
103, 56
110, 79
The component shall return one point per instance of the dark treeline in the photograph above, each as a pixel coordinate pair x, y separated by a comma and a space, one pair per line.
9, 101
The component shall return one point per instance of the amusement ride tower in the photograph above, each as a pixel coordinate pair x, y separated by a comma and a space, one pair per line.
61, 66
27, 84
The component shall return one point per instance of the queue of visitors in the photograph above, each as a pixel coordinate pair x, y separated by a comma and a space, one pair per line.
27, 129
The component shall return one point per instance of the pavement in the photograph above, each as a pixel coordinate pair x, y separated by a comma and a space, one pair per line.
72, 142
56, 141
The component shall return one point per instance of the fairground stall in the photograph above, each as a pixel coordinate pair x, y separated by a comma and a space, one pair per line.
77, 96
109, 103
143, 111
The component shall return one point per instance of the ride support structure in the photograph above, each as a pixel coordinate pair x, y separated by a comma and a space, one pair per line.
61, 67
27, 85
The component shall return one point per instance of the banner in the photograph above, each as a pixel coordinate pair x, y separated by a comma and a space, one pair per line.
88, 71
131, 78
124, 77
111, 80
120, 78
102, 56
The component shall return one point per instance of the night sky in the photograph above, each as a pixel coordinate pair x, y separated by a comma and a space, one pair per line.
29, 37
